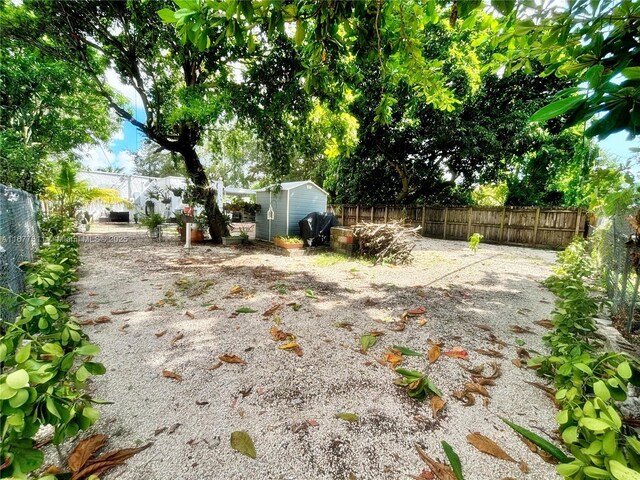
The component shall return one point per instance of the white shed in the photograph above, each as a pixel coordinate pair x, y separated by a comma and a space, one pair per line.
281, 209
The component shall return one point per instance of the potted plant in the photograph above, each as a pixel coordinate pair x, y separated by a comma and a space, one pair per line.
288, 243
180, 223
152, 223
197, 228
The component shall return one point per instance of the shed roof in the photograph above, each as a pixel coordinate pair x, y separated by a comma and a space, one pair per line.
291, 186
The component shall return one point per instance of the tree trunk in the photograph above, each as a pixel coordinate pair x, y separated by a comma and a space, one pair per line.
217, 225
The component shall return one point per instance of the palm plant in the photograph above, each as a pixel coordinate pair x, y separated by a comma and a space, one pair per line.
67, 194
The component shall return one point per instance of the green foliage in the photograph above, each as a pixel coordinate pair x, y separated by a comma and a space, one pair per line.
46, 359
540, 442
593, 41
490, 195
588, 382
454, 460
417, 384
151, 222
474, 241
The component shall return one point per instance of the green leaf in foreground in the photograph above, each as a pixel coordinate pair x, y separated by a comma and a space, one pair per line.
241, 442
556, 108
366, 342
348, 417
407, 351
245, 310
454, 460
545, 445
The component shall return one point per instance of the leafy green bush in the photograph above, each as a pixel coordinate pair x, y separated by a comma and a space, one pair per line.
588, 382
46, 360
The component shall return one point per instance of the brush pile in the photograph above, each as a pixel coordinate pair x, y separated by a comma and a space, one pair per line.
386, 243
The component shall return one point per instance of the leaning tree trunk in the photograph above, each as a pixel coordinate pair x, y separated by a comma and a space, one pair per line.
217, 225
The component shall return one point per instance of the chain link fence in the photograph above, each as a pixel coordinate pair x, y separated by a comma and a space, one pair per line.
619, 256
19, 238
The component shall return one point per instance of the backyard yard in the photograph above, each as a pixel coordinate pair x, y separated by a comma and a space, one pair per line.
163, 318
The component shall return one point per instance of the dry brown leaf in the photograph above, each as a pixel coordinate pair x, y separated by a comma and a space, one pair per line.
189, 314
107, 461
215, 366
497, 341
475, 370
489, 352
457, 352
211, 308
123, 327
414, 312
84, 450
85, 322
440, 470
236, 289
103, 319
437, 404
422, 322
313, 423
93, 306
484, 381
434, 353
476, 388
519, 329
231, 359
376, 333
485, 402
173, 375
50, 470
160, 334
546, 323
522, 353
393, 358
496, 371
524, 468
179, 336
279, 335
486, 328
488, 446
121, 312
298, 351
465, 397
273, 309
517, 362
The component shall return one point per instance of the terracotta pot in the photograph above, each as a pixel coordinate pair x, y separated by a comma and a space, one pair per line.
197, 236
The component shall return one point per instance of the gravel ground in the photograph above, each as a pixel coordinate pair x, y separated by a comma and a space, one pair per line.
277, 392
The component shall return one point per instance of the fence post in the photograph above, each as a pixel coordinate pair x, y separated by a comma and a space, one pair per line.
444, 230
469, 223
424, 219
578, 217
504, 209
342, 214
386, 213
357, 214
372, 210
535, 227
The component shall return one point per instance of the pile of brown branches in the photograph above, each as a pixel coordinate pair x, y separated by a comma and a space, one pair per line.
391, 242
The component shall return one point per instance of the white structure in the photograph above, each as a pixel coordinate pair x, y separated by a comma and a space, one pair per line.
141, 191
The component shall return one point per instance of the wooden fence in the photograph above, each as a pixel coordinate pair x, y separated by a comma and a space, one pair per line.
528, 226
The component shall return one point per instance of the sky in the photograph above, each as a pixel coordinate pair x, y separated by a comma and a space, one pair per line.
127, 140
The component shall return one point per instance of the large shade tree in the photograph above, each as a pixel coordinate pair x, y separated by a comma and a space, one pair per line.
176, 83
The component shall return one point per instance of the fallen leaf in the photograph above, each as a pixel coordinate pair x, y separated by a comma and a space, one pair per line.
376, 333
85, 322
231, 359
524, 468
523, 354
245, 310
472, 387
236, 289
434, 353
346, 325
103, 319
440, 470
179, 336
84, 450
519, 329
457, 352
496, 340
347, 417
488, 446
278, 334
366, 342
394, 359
475, 370
484, 381
407, 351
465, 397
93, 306
121, 312
422, 322
215, 366
211, 308
288, 346
189, 314
517, 362
313, 423
486, 328
92, 294
273, 309
108, 461
414, 312
173, 428
546, 323
437, 404
123, 327
173, 375
496, 371
489, 352
50, 470
547, 457
242, 442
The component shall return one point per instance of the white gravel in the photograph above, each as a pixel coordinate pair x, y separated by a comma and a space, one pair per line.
498, 287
